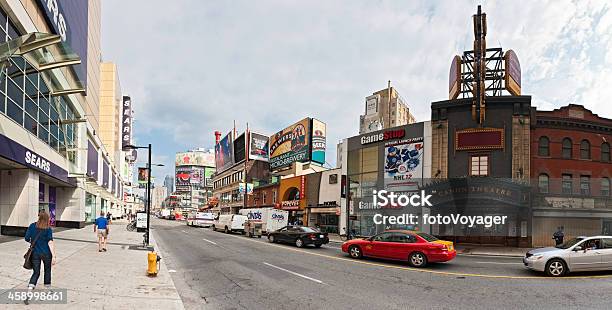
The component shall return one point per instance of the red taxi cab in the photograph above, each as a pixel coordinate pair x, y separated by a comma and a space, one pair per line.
417, 248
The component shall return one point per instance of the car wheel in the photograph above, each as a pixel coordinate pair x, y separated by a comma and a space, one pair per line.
271, 239
299, 243
355, 251
417, 259
555, 268
318, 245
226, 230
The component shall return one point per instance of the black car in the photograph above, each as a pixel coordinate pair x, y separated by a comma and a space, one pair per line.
299, 235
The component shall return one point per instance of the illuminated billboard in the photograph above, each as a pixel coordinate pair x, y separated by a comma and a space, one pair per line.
290, 145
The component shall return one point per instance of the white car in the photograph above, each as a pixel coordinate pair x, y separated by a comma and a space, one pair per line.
229, 223
577, 254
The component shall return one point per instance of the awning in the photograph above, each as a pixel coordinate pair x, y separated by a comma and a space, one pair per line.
323, 210
47, 53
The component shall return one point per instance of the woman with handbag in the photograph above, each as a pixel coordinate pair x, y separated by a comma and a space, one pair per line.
42, 249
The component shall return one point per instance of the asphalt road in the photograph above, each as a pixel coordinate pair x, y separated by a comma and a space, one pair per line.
212, 270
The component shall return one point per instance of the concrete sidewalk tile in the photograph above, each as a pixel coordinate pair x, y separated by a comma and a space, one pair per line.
115, 279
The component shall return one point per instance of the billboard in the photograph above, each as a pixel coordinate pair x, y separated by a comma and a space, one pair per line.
318, 141
195, 158
224, 153
513, 73
258, 147
290, 145
92, 161
68, 19
183, 176
454, 78
105, 174
197, 176
403, 166
239, 148
126, 125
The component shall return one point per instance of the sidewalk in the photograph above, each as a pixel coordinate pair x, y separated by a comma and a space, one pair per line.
470, 249
95, 280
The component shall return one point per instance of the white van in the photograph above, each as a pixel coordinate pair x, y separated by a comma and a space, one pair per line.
229, 223
271, 219
200, 219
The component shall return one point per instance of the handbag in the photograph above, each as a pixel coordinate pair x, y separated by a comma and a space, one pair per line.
27, 264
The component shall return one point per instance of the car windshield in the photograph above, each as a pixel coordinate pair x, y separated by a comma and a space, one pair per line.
427, 237
309, 230
569, 243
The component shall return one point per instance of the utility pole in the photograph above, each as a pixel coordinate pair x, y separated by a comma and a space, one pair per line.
148, 197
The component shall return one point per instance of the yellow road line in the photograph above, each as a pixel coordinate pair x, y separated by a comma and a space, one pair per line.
423, 270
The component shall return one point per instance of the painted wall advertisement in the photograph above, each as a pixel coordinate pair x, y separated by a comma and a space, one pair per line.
290, 145
224, 153
258, 147
403, 165
318, 141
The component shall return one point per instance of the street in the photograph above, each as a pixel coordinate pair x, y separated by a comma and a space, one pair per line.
213, 270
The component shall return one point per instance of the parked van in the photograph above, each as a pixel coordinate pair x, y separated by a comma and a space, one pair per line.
270, 218
229, 223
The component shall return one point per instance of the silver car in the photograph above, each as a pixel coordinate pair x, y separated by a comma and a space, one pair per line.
577, 254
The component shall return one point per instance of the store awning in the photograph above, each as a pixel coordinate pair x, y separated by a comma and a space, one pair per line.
47, 54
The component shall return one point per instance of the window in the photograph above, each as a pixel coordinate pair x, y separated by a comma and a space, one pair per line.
401, 238
585, 185
607, 243
605, 152
605, 187
273, 196
479, 165
384, 237
264, 197
585, 149
566, 183
543, 146
543, 183
566, 148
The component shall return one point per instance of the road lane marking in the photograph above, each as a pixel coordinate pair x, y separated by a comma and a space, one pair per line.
294, 273
210, 241
427, 270
498, 263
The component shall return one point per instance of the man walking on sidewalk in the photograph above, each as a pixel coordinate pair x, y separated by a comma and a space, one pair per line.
101, 225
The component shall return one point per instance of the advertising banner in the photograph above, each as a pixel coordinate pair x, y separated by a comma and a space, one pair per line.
208, 173
105, 174
290, 145
143, 175
258, 147
183, 176
249, 188
403, 170
318, 141
92, 161
126, 125
239, 148
224, 153
196, 176
195, 158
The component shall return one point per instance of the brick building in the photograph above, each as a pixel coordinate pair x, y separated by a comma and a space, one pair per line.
571, 171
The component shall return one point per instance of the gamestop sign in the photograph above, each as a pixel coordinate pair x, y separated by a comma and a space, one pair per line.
383, 136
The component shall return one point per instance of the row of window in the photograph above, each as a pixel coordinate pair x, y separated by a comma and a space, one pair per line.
567, 185
567, 149
227, 180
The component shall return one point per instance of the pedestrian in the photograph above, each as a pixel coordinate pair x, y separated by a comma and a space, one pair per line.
109, 217
558, 235
40, 236
101, 227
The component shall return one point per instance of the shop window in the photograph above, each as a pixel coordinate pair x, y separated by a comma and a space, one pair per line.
585, 185
585, 149
566, 148
543, 183
605, 152
544, 146
605, 187
566, 184
479, 165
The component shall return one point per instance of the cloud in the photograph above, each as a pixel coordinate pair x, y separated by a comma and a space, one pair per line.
193, 67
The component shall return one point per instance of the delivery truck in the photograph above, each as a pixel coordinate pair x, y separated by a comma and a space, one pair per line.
270, 218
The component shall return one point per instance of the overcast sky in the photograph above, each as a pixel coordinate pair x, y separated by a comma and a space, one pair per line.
193, 66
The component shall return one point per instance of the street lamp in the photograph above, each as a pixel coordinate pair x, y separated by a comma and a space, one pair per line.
148, 205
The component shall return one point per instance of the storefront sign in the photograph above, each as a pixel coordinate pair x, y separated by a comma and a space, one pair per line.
126, 127
16, 152
290, 145
290, 205
383, 136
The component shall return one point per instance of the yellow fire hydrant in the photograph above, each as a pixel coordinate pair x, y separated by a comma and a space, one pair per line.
153, 261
